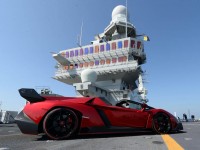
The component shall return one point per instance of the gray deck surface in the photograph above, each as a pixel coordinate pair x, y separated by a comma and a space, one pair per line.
12, 138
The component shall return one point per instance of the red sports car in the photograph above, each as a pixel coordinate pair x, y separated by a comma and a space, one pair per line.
61, 117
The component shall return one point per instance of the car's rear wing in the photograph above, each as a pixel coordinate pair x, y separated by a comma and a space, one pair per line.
30, 95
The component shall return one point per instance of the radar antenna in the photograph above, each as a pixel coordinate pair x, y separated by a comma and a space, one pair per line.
79, 38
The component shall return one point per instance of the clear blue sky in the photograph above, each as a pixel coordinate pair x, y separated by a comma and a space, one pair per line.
30, 30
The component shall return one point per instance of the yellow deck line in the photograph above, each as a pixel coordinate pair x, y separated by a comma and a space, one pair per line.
171, 143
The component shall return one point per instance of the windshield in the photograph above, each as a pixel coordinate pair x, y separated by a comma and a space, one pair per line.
132, 105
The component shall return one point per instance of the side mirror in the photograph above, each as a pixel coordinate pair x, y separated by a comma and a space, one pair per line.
144, 106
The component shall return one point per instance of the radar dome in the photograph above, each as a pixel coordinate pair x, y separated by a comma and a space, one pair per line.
88, 75
119, 12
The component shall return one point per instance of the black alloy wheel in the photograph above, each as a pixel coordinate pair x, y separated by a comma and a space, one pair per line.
60, 123
161, 123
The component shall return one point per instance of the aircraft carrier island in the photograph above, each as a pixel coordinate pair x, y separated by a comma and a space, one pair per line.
110, 66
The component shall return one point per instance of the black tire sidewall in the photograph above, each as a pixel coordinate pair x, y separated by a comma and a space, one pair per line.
153, 123
70, 133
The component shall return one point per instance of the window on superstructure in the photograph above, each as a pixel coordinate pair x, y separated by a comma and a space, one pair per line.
81, 51
114, 60
132, 44
76, 52
86, 64
113, 46
107, 61
92, 63
101, 48
81, 65
102, 62
138, 45
97, 49
107, 46
63, 54
67, 54
66, 67
125, 43
120, 59
86, 51
71, 53
124, 59
119, 44
96, 62
91, 50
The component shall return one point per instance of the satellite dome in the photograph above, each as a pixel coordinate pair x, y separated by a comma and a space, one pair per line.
88, 75
119, 12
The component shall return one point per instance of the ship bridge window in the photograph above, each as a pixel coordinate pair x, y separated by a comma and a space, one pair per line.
91, 50
101, 48
107, 46
86, 51
102, 62
138, 45
107, 61
67, 54
113, 46
125, 43
124, 59
66, 67
120, 59
91, 63
81, 65
81, 51
96, 62
114, 60
76, 52
119, 44
63, 54
132, 44
86, 64
71, 53
97, 49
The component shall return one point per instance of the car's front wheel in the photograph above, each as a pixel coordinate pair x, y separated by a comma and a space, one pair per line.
161, 123
60, 123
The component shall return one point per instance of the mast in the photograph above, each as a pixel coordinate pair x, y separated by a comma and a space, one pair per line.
81, 34
126, 18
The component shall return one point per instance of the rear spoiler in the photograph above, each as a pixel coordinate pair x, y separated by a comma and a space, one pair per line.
30, 95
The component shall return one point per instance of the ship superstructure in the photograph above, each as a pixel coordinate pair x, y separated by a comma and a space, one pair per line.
110, 66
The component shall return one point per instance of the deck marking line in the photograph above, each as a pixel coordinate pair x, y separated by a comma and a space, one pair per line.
171, 143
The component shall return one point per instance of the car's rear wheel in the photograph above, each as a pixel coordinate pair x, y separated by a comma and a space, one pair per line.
161, 123
60, 123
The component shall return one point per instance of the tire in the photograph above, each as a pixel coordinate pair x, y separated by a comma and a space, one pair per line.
60, 123
161, 123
